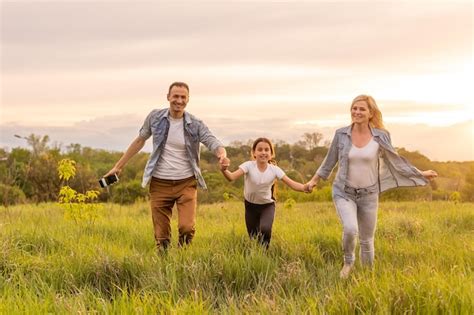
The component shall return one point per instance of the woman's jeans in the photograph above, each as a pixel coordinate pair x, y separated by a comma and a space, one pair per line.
358, 216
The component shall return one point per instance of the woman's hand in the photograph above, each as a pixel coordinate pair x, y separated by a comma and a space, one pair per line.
429, 174
309, 186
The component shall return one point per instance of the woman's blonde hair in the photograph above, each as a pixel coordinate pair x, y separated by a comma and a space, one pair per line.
376, 120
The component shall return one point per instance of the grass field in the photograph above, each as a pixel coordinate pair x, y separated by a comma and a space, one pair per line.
424, 263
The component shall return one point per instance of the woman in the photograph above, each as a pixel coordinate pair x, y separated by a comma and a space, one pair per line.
367, 165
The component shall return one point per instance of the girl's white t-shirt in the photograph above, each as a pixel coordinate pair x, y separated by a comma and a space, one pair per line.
257, 184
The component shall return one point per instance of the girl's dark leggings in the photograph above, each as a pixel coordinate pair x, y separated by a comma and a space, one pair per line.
259, 221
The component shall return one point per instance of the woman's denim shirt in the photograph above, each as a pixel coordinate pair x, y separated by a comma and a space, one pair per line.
195, 132
393, 170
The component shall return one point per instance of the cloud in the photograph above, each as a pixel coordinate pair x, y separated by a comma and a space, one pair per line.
116, 132
100, 35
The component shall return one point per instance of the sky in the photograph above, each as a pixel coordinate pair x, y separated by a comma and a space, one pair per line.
90, 72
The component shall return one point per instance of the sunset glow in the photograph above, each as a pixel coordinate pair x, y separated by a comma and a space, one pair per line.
297, 68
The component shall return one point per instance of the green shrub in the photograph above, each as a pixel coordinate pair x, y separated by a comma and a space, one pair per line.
11, 195
455, 196
440, 194
128, 192
289, 203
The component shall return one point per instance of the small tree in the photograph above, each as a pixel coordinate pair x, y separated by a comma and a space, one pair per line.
455, 197
289, 204
78, 207
312, 140
467, 193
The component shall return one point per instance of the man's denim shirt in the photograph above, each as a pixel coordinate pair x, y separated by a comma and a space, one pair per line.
195, 132
393, 170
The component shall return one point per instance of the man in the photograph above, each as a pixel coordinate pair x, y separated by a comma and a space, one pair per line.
173, 167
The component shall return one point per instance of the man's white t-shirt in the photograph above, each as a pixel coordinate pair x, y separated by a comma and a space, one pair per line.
257, 184
174, 162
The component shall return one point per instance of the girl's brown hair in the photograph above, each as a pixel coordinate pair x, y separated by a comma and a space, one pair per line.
272, 149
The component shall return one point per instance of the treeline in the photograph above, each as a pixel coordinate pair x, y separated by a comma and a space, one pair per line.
30, 175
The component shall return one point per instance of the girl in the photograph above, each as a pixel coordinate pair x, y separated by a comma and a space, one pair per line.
260, 175
368, 165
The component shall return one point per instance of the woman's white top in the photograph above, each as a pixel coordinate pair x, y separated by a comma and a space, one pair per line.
257, 184
363, 161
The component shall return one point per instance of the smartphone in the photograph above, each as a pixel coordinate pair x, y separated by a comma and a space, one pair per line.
109, 180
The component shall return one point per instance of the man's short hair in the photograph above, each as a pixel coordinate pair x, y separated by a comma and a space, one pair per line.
179, 84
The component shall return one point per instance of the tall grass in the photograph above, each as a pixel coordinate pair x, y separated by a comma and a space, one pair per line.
424, 261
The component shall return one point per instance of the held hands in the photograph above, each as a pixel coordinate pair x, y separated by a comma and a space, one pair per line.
306, 188
221, 155
224, 163
429, 174
309, 186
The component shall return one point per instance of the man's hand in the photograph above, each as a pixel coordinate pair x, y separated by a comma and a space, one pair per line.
222, 159
114, 170
224, 163
221, 155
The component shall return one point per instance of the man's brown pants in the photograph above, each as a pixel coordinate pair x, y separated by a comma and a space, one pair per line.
164, 193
